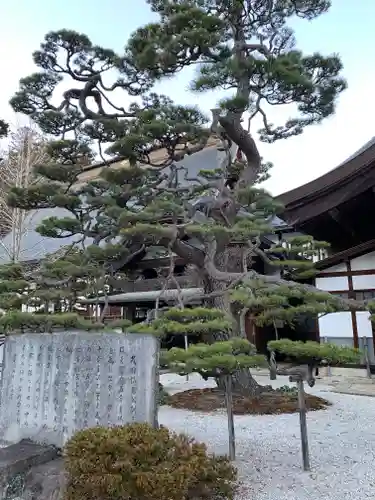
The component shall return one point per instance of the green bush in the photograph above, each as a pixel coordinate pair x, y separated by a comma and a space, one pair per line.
316, 352
139, 462
286, 389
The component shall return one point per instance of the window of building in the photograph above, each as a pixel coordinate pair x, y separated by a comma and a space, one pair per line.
357, 294
365, 295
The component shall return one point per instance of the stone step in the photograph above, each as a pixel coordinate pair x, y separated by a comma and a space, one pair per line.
16, 461
45, 482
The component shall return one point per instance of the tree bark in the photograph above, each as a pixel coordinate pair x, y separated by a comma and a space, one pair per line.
242, 382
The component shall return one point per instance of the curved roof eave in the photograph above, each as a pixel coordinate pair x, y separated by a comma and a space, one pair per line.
352, 166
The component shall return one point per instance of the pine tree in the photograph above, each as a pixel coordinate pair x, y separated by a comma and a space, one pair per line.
223, 360
4, 129
41, 297
243, 46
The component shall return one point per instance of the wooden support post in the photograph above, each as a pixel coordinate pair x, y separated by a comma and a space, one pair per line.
367, 357
186, 348
298, 378
229, 406
303, 425
273, 366
352, 296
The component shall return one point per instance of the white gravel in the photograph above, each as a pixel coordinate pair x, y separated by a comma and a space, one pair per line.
341, 439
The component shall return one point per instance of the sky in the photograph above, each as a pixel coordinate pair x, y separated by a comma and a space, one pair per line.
347, 30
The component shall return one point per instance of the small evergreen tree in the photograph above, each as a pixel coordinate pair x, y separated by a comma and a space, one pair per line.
242, 46
220, 360
224, 359
45, 296
38, 299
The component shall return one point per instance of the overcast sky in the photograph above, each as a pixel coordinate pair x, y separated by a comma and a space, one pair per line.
347, 30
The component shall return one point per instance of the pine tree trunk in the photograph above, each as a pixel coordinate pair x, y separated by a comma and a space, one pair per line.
243, 382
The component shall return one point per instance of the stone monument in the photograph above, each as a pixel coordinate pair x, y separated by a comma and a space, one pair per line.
56, 384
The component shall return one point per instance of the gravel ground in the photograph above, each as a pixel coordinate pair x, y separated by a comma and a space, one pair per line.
341, 439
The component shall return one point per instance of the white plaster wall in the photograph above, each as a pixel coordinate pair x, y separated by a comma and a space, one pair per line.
365, 282
363, 262
28, 309
32, 309
336, 325
332, 284
340, 324
363, 324
335, 269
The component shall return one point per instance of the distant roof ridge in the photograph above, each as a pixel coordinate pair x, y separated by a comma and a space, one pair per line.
158, 155
34, 246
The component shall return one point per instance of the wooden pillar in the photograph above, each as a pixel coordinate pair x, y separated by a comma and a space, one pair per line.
352, 296
128, 312
251, 329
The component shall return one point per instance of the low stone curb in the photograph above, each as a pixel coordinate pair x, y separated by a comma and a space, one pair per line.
16, 461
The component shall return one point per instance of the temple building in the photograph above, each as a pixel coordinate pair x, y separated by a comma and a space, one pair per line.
335, 208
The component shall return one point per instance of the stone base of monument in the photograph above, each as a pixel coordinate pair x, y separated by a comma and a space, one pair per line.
29, 471
45, 482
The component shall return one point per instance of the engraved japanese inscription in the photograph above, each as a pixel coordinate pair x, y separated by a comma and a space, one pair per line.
54, 385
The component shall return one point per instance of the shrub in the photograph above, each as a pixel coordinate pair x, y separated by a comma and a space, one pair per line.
286, 389
139, 462
315, 352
